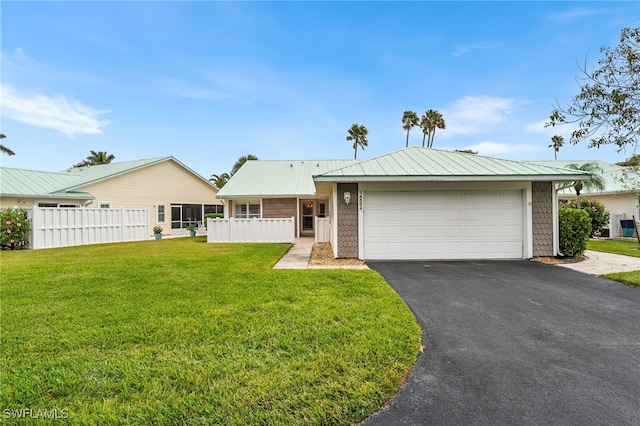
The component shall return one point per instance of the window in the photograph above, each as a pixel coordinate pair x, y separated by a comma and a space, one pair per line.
213, 208
56, 205
322, 210
246, 210
160, 213
104, 205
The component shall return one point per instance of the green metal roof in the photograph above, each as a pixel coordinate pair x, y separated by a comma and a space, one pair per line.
278, 178
31, 183
259, 178
415, 163
617, 179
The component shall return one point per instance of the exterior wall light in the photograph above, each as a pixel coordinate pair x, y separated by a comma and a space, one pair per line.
347, 197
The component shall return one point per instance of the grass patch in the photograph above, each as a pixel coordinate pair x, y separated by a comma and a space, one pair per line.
181, 331
631, 278
625, 247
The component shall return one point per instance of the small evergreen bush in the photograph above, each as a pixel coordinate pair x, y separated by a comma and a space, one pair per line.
595, 209
575, 228
212, 216
15, 229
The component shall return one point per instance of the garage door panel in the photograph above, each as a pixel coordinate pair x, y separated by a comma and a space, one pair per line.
443, 225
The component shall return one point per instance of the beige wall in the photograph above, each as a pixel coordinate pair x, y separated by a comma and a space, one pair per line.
163, 183
27, 203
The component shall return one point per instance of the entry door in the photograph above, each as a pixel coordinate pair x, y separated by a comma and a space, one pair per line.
307, 217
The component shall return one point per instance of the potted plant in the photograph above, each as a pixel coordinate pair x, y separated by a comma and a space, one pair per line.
192, 229
157, 231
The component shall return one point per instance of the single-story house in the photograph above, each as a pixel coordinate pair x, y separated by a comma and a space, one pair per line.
175, 195
620, 197
415, 203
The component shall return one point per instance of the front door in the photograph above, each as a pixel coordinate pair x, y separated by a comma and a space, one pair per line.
306, 222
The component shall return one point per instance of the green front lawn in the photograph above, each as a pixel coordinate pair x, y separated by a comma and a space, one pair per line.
631, 278
625, 247
178, 331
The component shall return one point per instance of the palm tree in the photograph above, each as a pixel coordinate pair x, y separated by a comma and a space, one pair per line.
409, 119
241, 161
431, 120
557, 142
595, 182
219, 180
100, 157
358, 134
5, 149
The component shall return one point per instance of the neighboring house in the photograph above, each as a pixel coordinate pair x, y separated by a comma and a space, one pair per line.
415, 203
621, 195
175, 195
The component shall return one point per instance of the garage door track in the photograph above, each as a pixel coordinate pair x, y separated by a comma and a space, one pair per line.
517, 343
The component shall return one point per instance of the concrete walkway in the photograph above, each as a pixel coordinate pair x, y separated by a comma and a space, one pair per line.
298, 255
599, 263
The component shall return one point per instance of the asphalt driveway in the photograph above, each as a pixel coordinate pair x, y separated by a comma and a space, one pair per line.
517, 343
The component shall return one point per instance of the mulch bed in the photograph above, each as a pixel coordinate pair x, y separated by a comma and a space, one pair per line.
322, 255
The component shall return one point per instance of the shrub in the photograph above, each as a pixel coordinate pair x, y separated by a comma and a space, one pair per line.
157, 229
595, 209
212, 216
575, 228
15, 229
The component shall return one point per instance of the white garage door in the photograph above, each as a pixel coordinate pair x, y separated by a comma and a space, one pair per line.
443, 225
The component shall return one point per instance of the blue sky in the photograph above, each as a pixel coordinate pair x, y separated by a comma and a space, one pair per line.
207, 82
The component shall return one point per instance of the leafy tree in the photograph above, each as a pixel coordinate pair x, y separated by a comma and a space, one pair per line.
556, 144
467, 151
220, 180
575, 228
633, 161
430, 121
240, 162
5, 149
358, 134
607, 108
409, 119
96, 158
595, 182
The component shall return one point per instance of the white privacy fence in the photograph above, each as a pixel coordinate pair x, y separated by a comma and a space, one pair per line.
61, 227
322, 230
251, 230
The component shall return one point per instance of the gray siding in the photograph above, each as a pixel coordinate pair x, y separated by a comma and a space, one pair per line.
542, 216
347, 221
275, 208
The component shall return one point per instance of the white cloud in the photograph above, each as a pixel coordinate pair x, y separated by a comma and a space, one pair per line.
476, 114
57, 113
462, 49
496, 148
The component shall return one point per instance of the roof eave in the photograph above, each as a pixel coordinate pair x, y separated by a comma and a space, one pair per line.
519, 178
232, 196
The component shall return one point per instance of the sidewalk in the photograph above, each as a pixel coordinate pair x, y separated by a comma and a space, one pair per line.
299, 254
599, 263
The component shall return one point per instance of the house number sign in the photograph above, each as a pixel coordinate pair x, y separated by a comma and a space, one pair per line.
360, 200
